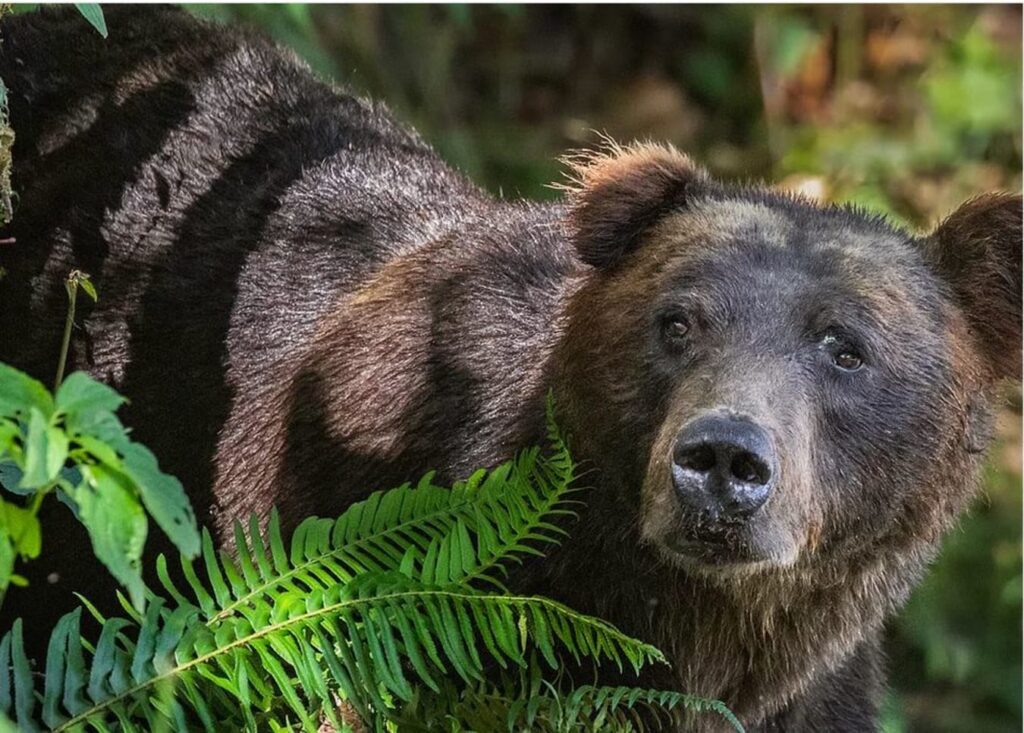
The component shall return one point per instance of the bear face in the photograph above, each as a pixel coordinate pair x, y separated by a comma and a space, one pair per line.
781, 384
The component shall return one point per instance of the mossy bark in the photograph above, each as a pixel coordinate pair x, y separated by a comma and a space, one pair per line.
6, 145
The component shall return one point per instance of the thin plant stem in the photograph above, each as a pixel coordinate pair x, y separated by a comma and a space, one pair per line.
72, 288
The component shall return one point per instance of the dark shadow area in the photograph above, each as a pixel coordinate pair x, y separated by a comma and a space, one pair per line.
179, 335
63, 200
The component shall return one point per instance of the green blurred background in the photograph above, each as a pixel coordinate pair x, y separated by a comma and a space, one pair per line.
906, 109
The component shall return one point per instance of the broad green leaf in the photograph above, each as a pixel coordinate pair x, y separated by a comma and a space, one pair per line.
19, 393
10, 478
163, 497
9, 431
103, 426
22, 528
46, 449
117, 526
79, 394
100, 451
93, 13
24, 692
7, 555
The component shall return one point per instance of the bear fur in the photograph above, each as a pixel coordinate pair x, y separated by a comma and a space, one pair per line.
304, 304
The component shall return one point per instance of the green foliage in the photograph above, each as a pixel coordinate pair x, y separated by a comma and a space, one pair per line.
384, 609
962, 116
973, 69
71, 443
76, 279
93, 13
528, 701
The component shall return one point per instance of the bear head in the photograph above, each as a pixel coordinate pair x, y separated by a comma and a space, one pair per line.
773, 383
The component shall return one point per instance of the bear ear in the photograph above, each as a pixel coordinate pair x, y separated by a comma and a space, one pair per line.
977, 250
619, 192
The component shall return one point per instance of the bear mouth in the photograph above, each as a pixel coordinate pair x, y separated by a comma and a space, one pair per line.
714, 542
714, 551
719, 547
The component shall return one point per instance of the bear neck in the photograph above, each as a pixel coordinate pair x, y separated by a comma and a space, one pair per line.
746, 640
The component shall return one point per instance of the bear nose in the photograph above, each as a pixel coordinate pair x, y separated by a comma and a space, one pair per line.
723, 466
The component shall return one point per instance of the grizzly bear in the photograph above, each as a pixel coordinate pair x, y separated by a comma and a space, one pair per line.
780, 406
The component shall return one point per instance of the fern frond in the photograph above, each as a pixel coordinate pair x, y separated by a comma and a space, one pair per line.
351, 641
509, 511
528, 701
589, 707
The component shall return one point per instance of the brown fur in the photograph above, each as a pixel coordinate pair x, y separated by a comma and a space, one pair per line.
618, 192
972, 248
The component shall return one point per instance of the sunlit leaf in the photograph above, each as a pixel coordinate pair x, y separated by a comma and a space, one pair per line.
93, 13
117, 526
46, 449
80, 394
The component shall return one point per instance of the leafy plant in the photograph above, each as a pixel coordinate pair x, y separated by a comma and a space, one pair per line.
72, 444
394, 608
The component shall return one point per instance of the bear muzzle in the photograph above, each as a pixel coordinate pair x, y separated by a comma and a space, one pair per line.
723, 468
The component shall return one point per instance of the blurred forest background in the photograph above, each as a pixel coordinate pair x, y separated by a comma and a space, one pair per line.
905, 109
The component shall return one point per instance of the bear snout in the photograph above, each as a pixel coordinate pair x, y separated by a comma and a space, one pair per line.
723, 468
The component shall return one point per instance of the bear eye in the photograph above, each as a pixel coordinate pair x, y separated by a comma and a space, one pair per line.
844, 356
674, 327
848, 360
